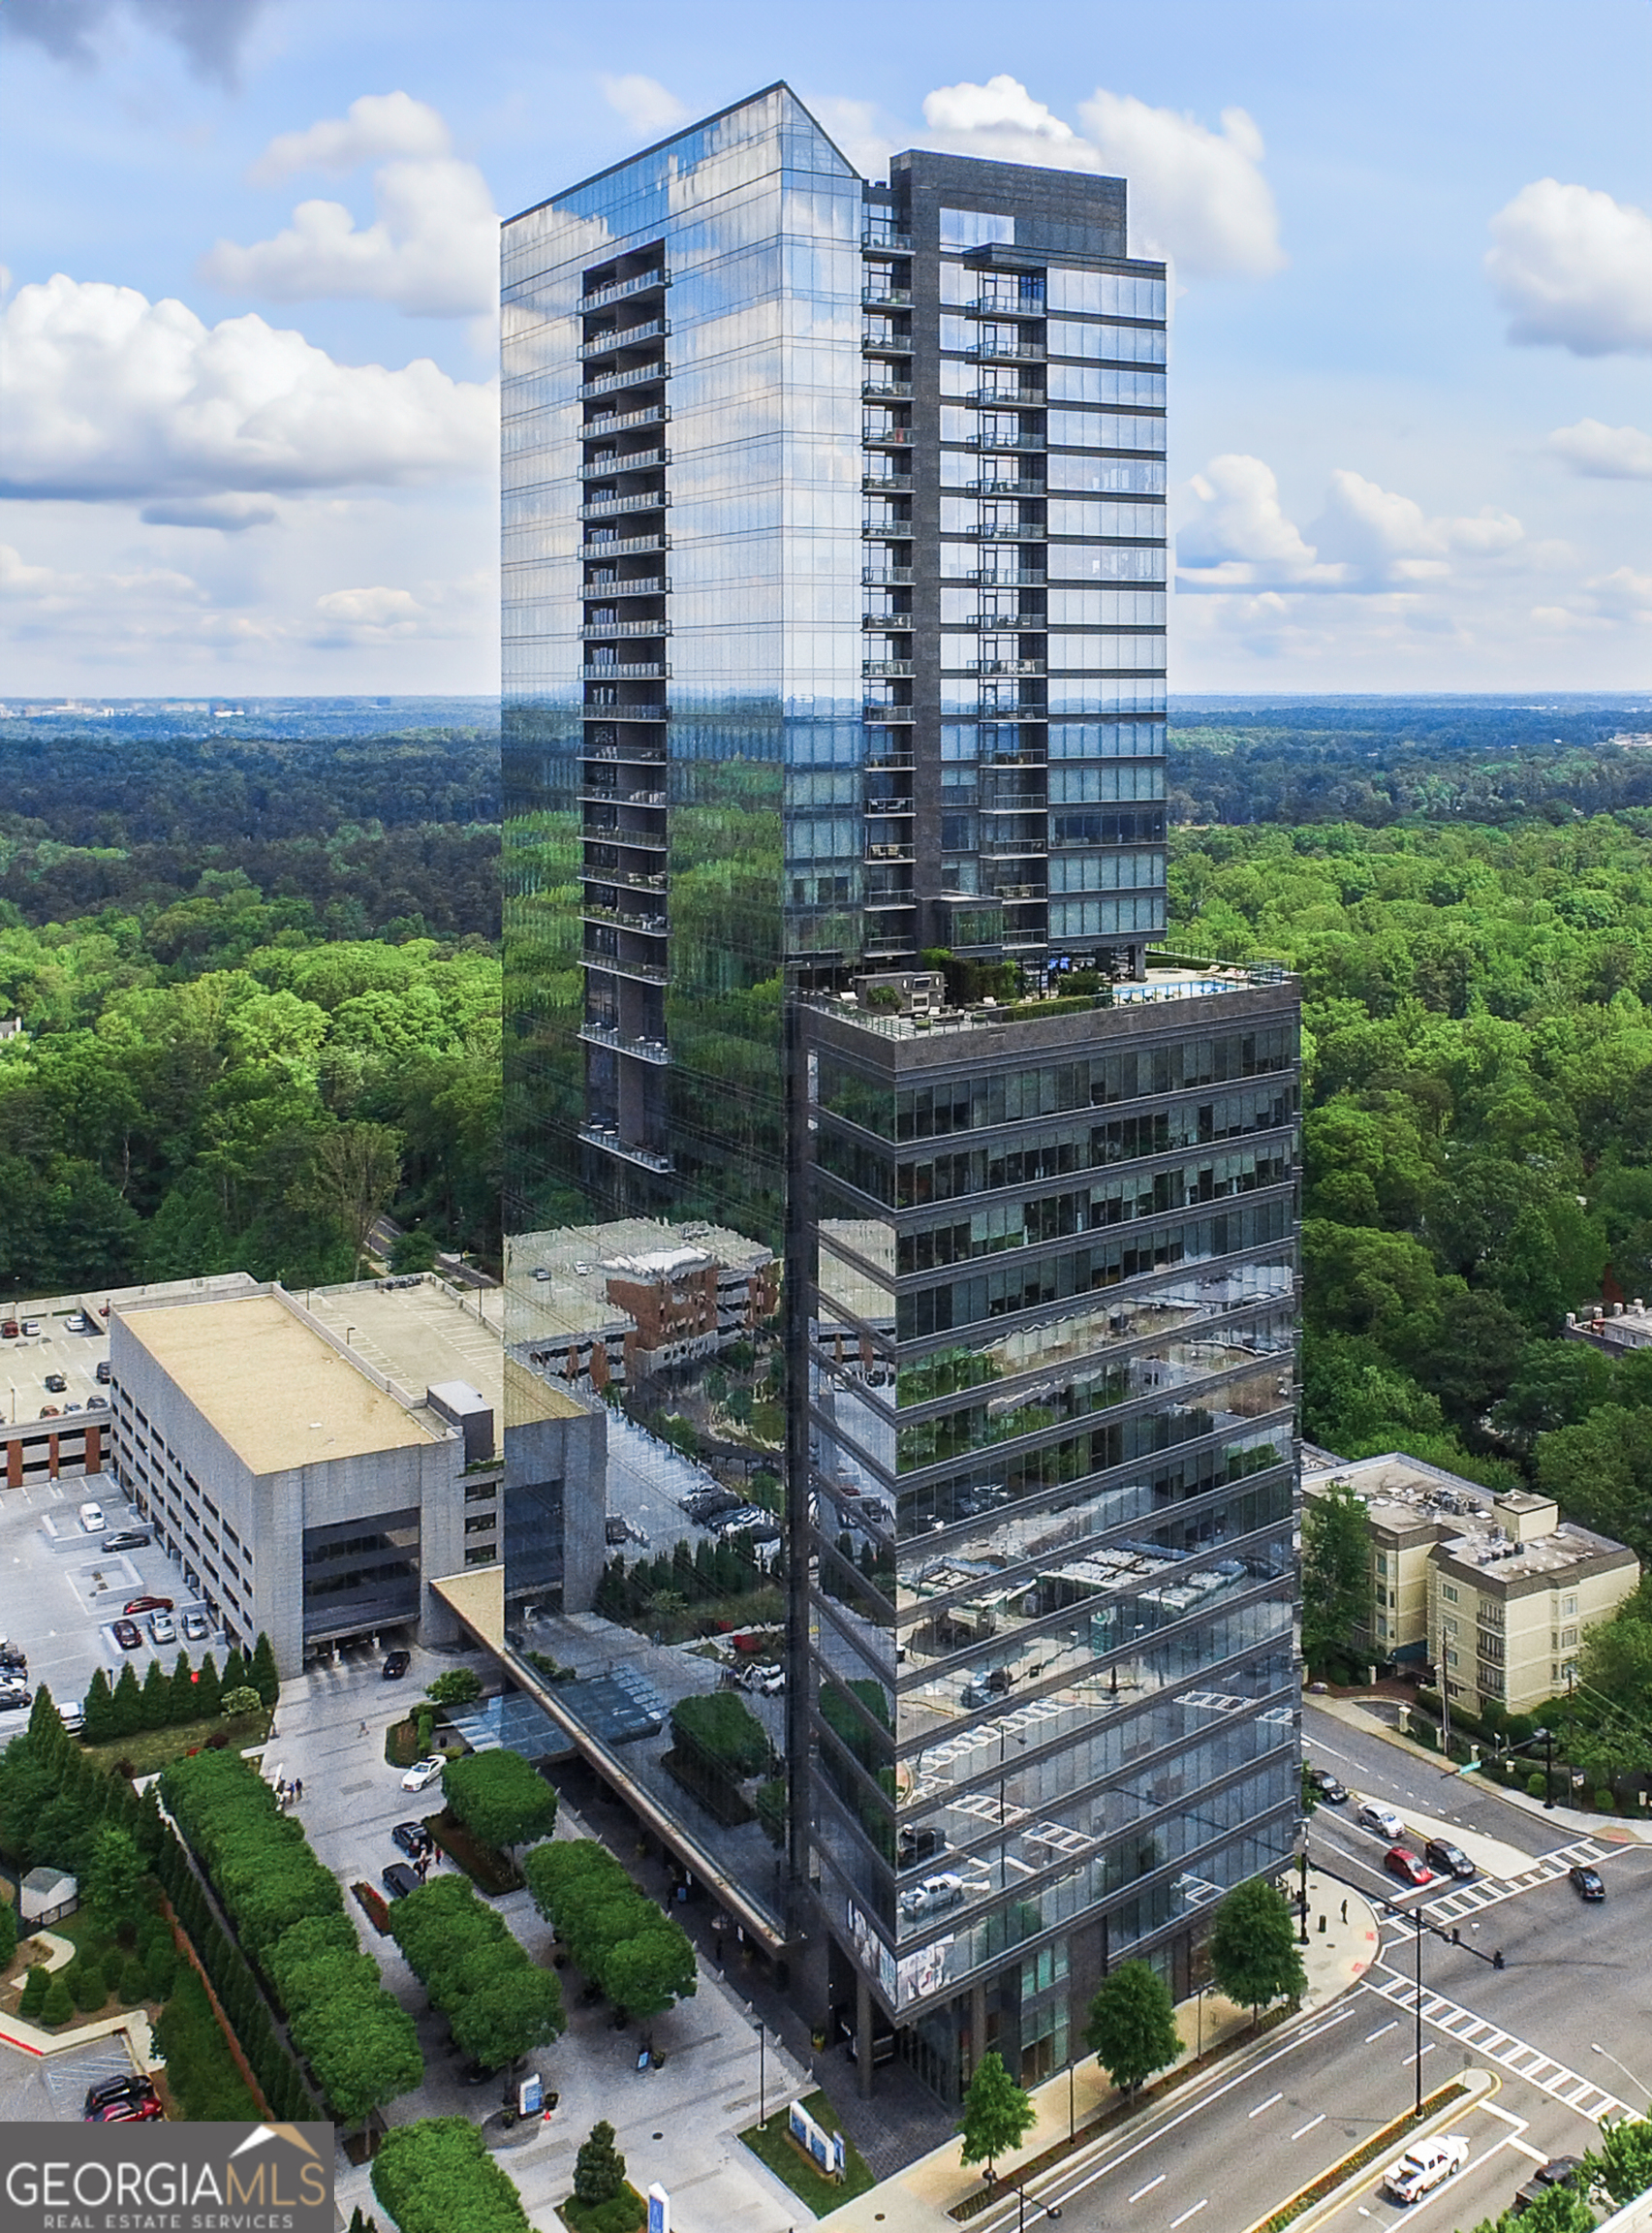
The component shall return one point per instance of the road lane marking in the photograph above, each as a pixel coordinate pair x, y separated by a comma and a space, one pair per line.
1526, 2148
1187, 2214
1380, 2028
1311, 2125
1267, 2104
1515, 2055
1148, 2188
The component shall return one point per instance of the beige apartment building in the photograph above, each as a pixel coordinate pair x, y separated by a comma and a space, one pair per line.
1496, 1592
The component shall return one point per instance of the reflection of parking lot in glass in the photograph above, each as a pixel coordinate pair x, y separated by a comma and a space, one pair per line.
104, 1584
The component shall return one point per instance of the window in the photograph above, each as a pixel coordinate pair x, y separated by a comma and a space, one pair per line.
974, 228
1569, 1605
1448, 1592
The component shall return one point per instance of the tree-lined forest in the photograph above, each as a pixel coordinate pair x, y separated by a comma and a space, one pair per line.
244, 971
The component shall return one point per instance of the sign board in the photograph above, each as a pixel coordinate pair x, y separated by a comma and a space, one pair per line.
824, 2148
530, 2097
659, 2209
839, 2155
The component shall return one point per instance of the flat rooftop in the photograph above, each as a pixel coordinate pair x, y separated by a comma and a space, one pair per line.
72, 1341
558, 1279
277, 1389
421, 1335
1404, 1492
1162, 981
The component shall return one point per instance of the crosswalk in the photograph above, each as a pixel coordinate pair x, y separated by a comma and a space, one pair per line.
1487, 2042
1486, 1891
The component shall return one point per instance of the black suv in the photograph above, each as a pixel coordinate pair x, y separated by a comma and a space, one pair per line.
134, 2087
1451, 1860
399, 1880
397, 1665
1558, 2171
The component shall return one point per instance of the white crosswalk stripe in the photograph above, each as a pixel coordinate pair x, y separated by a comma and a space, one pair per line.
1488, 1891
1518, 2057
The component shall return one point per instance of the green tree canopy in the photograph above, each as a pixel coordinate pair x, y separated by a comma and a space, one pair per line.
599, 2168
437, 2176
1254, 1955
499, 1796
997, 2113
459, 1687
114, 1878
1336, 1572
1132, 2028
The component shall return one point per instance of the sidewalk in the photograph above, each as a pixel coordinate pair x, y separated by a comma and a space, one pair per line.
1611, 1829
917, 2200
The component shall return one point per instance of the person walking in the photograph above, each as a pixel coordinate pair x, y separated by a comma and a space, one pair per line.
364, 1728
298, 1787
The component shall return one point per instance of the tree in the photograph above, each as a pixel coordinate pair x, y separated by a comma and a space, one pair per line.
436, 2175
599, 2169
8, 1933
36, 1985
1623, 2161
997, 2113
722, 1730
98, 1707
127, 1705
261, 1673
1254, 1954
234, 1703
185, 1704
1132, 2028
643, 1976
499, 1796
459, 1687
1557, 2210
207, 1694
156, 1697
355, 1170
1310, 1793
1336, 1572
114, 1879
505, 2014
59, 2004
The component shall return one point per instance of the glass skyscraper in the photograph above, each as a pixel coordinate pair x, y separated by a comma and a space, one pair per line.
834, 565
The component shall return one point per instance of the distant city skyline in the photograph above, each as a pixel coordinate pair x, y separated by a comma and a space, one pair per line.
252, 258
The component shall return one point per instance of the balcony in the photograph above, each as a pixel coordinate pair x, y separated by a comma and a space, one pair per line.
997, 484
640, 756
1026, 575
639, 376
599, 795
651, 585
626, 628
620, 422
1009, 399
886, 298
1010, 620
624, 462
888, 807
1006, 352
643, 284
890, 242
886, 391
616, 546
630, 338
889, 576
876, 344
611, 507
1003, 667
873, 669
988, 712
1024, 532
885, 437
625, 879
890, 852
643, 972
635, 671
1021, 306
607, 1137
1014, 802
886, 484
627, 712
886, 714
889, 623
1007, 442
608, 1035
650, 925
885, 756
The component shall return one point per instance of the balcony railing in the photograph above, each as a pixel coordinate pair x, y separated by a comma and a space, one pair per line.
886, 852
608, 1035
996, 484
886, 713
642, 756
616, 421
1005, 667
891, 391
880, 344
894, 298
872, 669
881, 236
652, 585
886, 483
874, 437
607, 1137
888, 807
637, 670
886, 577
601, 795
643, 283
610, 507
1006, 352
624, 462
631, 337
1022, 532
637, 377
891, 623
617, 547
652, 926
1021, 306
1009, 399
1027, 575
1007, 442
627, 714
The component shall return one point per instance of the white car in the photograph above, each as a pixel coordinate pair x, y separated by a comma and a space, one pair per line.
1427, 2165
933, 1897
1374, 1815
422, 1773
92, 1519
162, 1628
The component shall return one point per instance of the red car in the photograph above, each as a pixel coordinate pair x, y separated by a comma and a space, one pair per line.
148, 1605
1399, 1861
128, 1635
127, 2112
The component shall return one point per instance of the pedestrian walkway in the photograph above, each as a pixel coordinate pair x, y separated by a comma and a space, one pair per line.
1343, 1943
1488, 2041
1488, 1891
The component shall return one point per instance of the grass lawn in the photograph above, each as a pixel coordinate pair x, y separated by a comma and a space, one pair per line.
151, 1749
772, 2144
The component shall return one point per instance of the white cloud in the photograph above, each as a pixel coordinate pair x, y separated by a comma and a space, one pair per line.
384, 615
376, 126
1197, 196
109, 396
647, 106
861, 128
1604, 453
1573, 268
1240, 531
229, 514
432, 249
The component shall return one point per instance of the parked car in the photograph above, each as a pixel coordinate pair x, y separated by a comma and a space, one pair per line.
913, 1847
13, 1697
57, 1384
1399, 1861
91, 1517
163, 1629
1427, 2165
399, 1879
1334, 1793
78, 1322
128, 2113
133, 2086
422, 1773
128, 1635
103, 1373
9, 1329
1448, 1859
31, 1329
196, 1626
413, 1838
72, 1715
1558, 2171
933, 1897
1587, 1884
147, 1604
14, 1659
1374, 1815
129, 1539
396, 1664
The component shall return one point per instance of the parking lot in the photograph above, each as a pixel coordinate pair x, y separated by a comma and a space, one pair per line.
71, 1342
64, 1588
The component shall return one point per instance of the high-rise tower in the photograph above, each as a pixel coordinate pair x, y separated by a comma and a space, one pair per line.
835, 734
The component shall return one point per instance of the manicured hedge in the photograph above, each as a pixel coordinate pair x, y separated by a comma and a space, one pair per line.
436, 2176
638, 1957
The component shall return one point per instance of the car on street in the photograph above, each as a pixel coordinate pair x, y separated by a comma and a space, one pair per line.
127, 2112
163, 1629
397, 1665
128, 1635
1401, 1862
422, 1773
196, 1626
129, 1539
933, 1897
1448, 1860
1427, 2165
1558, 2171
146, 1605
399, 1879
413, 1838
133, 2086
1332, 1791
1588, 1883
1374, 1815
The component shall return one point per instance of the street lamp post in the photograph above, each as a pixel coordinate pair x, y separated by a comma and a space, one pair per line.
762, 2073
1049, 2208
1302, 1862
1595, 2048
1548, 1735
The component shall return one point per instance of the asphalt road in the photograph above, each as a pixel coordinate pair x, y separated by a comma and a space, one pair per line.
1405, 1778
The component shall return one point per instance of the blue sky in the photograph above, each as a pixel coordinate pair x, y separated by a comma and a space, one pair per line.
249, 429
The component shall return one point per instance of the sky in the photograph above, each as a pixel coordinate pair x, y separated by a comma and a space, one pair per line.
248, 415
